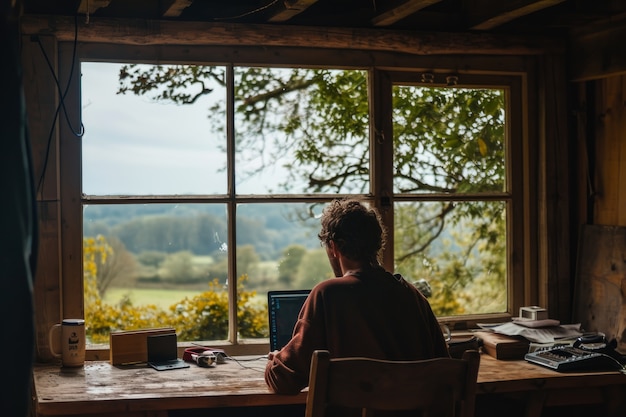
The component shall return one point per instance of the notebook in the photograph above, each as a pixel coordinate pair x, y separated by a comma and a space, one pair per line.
162, 352
283, 308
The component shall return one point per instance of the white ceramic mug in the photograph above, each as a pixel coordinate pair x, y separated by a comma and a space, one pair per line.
67, 341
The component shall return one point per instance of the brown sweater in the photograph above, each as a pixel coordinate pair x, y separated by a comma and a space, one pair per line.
373, 314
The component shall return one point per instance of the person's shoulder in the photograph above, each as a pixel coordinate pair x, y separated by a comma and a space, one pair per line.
409, 286
333, 285
325, 285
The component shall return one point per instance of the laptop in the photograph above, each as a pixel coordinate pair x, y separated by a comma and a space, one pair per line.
283, 308
162, 352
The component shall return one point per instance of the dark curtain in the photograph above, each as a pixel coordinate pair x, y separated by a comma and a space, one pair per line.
18, 226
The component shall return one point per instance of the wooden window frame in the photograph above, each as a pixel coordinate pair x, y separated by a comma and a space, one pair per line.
522, 256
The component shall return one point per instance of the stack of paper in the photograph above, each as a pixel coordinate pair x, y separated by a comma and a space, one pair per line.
549, 334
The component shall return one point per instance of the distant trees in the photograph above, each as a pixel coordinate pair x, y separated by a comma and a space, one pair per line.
313, 268
178, 267
289, 263
120, 266
169, 233
198, 232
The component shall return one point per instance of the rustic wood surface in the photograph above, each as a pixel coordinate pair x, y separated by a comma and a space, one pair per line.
600, 303
100, 387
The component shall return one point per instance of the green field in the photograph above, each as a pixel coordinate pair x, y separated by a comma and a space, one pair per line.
162, 298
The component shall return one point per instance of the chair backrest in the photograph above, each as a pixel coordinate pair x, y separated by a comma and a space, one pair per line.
437, 387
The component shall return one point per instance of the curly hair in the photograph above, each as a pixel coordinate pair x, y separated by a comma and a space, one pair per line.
356, 229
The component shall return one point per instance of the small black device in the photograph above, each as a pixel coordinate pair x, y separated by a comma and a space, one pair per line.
573, 359
283, 309
162, 352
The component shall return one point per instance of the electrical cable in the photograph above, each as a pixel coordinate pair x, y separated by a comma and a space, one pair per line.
61, 105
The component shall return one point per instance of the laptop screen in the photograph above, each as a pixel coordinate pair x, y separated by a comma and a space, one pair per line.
162, 347
283, 308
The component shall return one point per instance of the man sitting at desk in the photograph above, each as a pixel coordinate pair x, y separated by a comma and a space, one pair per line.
366, 311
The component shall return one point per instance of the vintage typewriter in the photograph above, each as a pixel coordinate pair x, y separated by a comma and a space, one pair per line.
572, 359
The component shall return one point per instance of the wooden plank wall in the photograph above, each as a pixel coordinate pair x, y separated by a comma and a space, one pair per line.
40, 91
609, 199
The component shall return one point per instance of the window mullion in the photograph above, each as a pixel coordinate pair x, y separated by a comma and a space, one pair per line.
231, 205
381, 148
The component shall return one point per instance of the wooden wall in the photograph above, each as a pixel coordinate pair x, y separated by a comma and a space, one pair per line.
609, 130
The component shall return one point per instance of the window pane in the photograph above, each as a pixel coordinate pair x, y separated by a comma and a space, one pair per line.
277, 249
156, 265
448, 140
301, 131
459, 249
152, 141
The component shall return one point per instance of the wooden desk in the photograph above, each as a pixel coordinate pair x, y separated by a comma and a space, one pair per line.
101, 389
540, 387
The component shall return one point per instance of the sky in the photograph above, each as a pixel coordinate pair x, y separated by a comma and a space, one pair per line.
135, 146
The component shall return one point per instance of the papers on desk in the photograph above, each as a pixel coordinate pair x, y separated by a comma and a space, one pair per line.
548, 334
535, 323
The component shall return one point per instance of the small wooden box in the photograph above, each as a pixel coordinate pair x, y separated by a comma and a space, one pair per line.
131, 346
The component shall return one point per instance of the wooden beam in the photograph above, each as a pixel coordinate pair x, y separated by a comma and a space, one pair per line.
162, 32
177, 8
290, 8
494, 13
400, 12
597, 51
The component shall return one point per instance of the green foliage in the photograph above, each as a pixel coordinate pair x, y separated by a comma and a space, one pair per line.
120, 266
247, 260
151, 258
288, 265
203, 317
171, 233
448, 140
314, 268
178, 267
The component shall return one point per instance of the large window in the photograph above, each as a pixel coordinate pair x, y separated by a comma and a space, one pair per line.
202, 187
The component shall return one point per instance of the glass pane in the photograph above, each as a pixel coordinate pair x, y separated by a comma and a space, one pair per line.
155, 138
448, 140
458, 252
277, 249
301, 131
154, 266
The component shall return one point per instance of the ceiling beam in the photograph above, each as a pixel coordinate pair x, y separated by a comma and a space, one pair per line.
400, 12
599, 49
177, 8
150, 32
290, 8
493, 13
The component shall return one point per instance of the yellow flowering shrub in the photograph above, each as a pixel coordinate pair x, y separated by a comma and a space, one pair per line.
202, 317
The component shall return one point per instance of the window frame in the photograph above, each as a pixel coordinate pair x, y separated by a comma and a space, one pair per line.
384, 69
513, 195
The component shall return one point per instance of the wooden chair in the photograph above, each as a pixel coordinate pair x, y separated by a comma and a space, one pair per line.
437, 387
